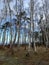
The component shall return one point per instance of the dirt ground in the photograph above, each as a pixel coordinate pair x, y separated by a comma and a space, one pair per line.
41, 57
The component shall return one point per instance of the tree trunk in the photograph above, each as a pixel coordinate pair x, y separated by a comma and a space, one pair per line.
4, 34
11, 38
15, 36
18, 37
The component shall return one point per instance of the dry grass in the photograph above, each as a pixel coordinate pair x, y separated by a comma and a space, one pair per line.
20, 58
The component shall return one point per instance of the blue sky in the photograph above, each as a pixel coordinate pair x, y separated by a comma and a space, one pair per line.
12, 3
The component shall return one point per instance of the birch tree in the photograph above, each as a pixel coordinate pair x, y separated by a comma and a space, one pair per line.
32, 21
45, 22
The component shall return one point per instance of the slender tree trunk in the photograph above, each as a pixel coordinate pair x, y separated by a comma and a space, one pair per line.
11, 38
32, 22
29, 43
34, 46
25, 33
15, 36
47, 41
29, 38
4, 34
18, 37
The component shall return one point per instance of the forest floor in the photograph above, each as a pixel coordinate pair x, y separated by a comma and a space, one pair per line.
41, 57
